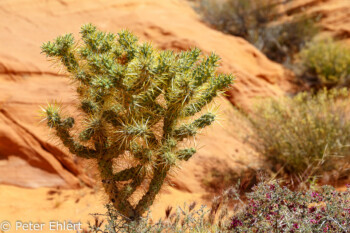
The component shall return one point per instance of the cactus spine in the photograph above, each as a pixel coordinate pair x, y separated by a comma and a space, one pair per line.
135, 101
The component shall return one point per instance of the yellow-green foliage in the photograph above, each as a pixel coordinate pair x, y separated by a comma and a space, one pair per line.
329, 60
138, 104
306, 133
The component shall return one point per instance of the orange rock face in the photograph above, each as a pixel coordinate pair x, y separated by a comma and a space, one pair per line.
27, 157
31, 157
334, 15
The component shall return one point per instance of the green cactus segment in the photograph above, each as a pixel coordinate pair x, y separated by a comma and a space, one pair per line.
129, 189
188, 130
127, 174
62, 127
211, 90
107, 177
153, 189
134, 102
185, 154
205, 70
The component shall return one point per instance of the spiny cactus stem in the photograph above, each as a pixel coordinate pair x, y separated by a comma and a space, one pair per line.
169, 123
127, 174
122, 205
129, 189
154, 187
73, 146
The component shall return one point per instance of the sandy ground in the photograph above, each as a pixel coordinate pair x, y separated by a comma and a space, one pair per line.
20, 206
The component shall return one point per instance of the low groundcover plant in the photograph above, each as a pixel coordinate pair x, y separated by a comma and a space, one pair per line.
272, 208
137, 106
268, 208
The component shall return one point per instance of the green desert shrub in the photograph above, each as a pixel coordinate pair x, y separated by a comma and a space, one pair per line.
306, 135
256, 21
137, 107
328, 60
238, 17
280, 42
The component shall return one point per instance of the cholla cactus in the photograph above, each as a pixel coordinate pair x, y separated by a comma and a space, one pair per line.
135, 102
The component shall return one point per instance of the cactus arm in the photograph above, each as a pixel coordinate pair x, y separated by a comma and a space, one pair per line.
187, 130
154, 187
205, 70
129, 189
62, 48
185, 154
106, 173
215, 85
74, 146
188, 58
62, 128
126, 174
